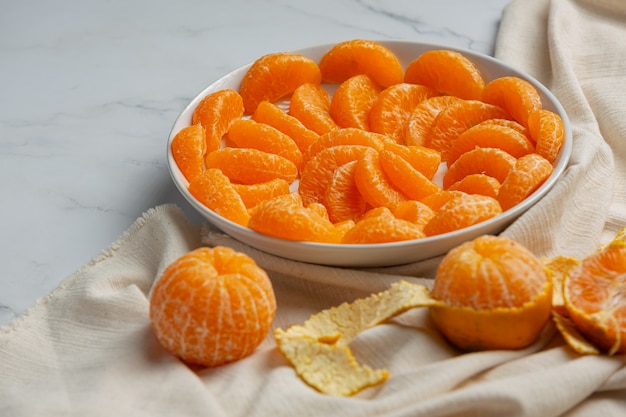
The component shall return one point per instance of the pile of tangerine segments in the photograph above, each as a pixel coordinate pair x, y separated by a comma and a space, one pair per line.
367, 159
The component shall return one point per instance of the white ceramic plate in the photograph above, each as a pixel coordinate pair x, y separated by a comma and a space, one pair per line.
387, 254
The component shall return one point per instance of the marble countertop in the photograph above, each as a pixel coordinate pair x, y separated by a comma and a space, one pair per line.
90, 90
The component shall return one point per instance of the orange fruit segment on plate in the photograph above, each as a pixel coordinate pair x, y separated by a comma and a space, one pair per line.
278, 118
525, 177
253, 194
391, 111
547, 129
247, 133
460, 211
477, 184
346, 136
490, 161
515, 95
274, 76
496, 295
373, 184
382, 227
358, 56
422, 117
310, 103
456, 119
319, 170
594, 297
188, 148
415, 212
403, 176
285, 217
342, 198
352, 100
447, 72
216, 113
212, 306
425, 160
259, 166
213, 189
490, 135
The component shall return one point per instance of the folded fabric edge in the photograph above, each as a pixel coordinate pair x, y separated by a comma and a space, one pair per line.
171, 210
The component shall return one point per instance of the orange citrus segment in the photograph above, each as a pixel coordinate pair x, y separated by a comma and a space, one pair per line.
461, 211
422, 117
477, 184
212, 306
547, 129
358, 56
285, 217
259, 166
490, 161
403, 176
447, 72
490, 135
342, 198
310, 103
423, 159
188, 148
346, 136
274, 76
456, 119
276, 117
381, 228
525, 177
415, 212
374, 184
216, 113
213, 189
351, 102
391, 111
247, 133
515, 95
253, 194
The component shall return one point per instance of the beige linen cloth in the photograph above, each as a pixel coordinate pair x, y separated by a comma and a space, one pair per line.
87, 349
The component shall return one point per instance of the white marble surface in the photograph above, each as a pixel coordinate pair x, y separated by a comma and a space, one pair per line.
89, 92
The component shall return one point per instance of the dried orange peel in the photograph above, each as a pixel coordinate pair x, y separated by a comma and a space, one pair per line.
319, 351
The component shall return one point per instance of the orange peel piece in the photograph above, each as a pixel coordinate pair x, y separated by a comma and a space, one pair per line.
318, 349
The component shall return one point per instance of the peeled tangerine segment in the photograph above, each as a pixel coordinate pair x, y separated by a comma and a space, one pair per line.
319, 349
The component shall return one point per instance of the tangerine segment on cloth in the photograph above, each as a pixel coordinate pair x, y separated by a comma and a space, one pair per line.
460, 211
424, 159
342, 198
352, 101
515, 95
310, 103
496, 295
477, 184
253, 194
490, 135
214, 190
358, 56
529, 172
403, 176
216, 113
490, 161
373, 184
212, 306
319, 349
423, 116
188, 148
285, 217
251, 166
390, 112
547, 129
318, 171
247, 133
447, 72
274, 76
271, 114
347, 136
595, 297
383, 227
456, 119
